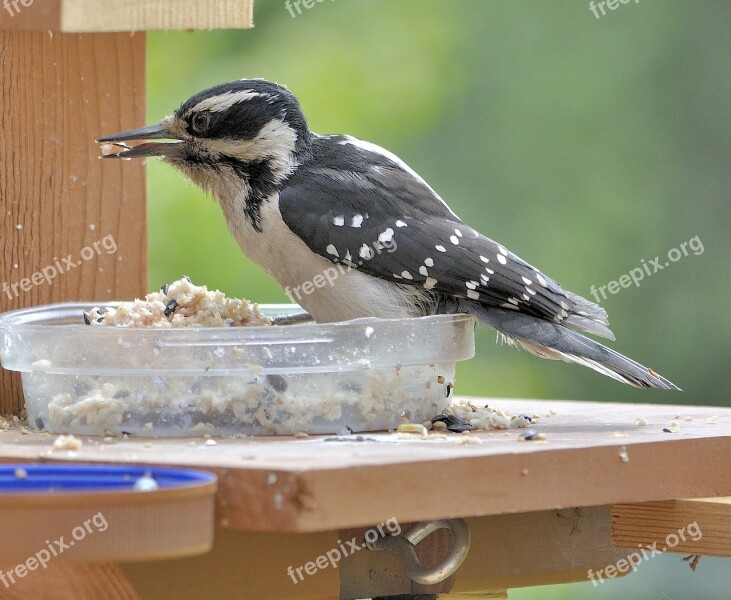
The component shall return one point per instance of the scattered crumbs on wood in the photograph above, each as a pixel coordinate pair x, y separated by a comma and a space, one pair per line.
66, 442
692, 560
416, 428
531, 435
467, 439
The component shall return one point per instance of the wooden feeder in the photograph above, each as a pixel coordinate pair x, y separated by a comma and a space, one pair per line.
539, 512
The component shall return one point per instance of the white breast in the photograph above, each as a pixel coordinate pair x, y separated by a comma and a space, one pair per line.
329, 292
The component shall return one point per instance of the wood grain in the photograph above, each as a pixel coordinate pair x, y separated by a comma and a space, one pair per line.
593, 455
66, 581
696, 526
77, 16
60, 92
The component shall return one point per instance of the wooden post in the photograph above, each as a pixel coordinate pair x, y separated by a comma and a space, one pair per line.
60, 92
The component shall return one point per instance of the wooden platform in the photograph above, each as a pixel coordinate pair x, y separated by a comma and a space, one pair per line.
593, 454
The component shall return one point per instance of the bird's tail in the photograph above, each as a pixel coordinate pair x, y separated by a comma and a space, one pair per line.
552, 340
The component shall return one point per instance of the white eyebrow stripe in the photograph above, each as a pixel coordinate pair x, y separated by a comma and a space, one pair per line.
223, 102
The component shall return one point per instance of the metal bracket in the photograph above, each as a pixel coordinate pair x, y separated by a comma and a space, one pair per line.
404, 546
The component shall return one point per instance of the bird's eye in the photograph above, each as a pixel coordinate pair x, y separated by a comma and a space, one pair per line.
199, 123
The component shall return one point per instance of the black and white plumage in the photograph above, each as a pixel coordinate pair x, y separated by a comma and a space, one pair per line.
299, 203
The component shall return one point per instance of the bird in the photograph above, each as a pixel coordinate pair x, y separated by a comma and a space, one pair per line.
349, 230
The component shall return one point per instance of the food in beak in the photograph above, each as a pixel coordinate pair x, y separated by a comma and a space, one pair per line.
113, 149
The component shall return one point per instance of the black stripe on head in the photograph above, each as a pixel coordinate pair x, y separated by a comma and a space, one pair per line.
217, 112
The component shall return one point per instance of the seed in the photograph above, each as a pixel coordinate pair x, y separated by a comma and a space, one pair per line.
412, 428
170, 307
451, 422
278, 383
531, 435
87, 319
440, 379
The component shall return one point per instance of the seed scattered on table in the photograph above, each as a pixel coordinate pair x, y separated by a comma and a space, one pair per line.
417, 428
451, 423
531, 435
67, 442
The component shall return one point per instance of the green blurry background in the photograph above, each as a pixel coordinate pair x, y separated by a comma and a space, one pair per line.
584, 145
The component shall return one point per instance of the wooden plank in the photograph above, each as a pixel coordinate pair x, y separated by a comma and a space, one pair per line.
58, 200
77, 16
506, 551
66, 581
694, 526
243, 566
290, 484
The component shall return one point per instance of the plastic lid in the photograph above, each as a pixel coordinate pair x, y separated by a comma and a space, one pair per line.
45, 479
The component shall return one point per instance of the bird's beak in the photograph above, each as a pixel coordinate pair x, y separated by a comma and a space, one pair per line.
114, 146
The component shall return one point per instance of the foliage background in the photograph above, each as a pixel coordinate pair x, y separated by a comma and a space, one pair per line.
584, 145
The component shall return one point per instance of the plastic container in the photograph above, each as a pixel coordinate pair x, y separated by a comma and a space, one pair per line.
360, 375
98, 512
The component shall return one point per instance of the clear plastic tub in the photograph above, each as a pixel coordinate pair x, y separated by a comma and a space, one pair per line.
360, 375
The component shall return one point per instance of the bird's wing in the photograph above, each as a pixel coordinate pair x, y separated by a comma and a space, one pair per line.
353, 204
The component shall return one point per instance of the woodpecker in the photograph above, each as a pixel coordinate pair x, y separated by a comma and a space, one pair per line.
300, 204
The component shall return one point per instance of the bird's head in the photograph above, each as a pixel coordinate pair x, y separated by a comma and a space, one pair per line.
243, 136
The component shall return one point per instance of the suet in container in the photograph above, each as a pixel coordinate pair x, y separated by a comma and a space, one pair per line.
361, 375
